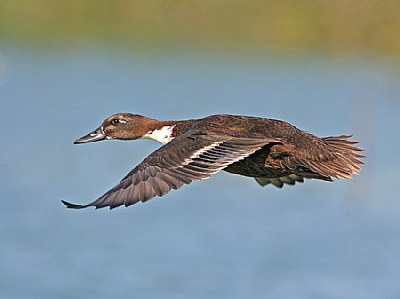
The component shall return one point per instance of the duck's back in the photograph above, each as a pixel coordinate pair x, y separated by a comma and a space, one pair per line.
247, 126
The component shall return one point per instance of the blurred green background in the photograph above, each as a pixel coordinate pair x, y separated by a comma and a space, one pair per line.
337, 27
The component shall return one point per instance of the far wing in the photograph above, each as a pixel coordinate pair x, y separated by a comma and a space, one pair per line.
189, 157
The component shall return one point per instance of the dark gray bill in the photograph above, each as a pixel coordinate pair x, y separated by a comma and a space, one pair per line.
96, 135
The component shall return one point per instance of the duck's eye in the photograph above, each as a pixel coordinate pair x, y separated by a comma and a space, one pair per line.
117, 121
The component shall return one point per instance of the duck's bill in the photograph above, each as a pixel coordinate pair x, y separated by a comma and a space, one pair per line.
96, 135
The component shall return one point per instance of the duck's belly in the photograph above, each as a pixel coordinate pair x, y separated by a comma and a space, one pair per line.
254, 166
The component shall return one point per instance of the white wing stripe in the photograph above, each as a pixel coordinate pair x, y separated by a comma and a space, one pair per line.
201, 151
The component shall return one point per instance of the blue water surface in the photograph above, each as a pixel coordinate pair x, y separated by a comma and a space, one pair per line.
225, 237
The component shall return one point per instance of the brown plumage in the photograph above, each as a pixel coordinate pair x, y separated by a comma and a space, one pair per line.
272, 151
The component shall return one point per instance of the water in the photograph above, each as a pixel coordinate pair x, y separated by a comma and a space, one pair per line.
220, 238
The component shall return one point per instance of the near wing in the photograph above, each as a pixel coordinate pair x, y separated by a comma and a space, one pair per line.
189, 157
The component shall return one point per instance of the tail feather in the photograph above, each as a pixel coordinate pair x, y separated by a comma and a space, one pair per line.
346, 159
336, 157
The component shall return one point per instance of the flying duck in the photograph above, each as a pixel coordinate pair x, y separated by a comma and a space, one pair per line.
271, 151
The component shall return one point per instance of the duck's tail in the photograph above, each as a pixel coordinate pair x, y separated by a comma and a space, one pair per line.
347, 157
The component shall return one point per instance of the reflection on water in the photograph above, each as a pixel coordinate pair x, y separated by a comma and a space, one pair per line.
221, 238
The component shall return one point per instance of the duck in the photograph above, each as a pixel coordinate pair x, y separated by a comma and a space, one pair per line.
271, 151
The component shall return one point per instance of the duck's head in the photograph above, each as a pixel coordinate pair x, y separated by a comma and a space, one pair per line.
124, 126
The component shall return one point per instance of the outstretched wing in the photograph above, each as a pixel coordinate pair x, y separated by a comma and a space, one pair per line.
189, 157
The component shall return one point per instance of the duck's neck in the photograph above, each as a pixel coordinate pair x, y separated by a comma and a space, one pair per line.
164, 134
165, 131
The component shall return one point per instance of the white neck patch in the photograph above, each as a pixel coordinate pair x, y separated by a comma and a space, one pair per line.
163, 135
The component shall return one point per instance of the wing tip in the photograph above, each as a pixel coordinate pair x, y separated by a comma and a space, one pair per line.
73, 206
